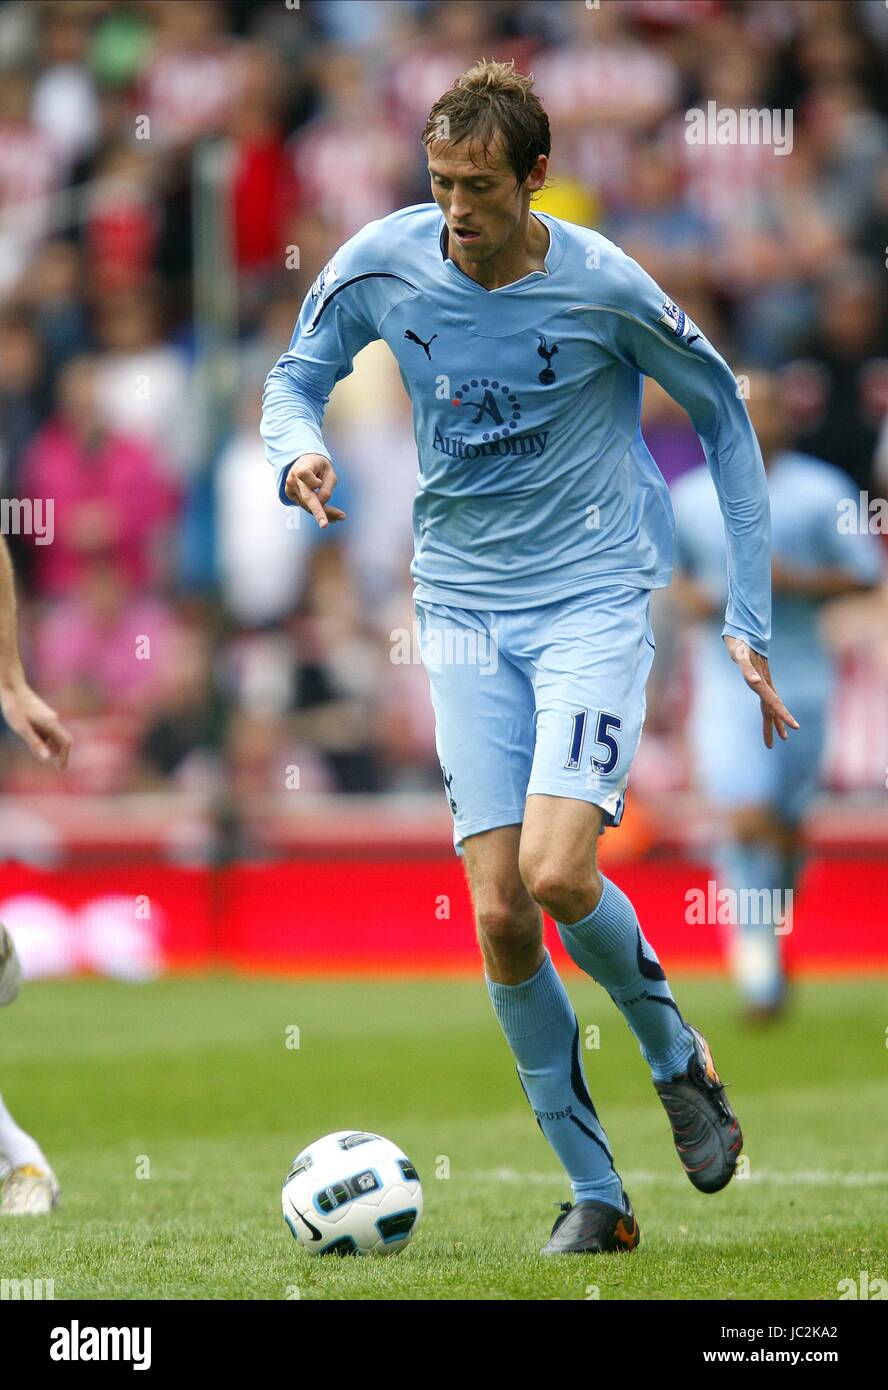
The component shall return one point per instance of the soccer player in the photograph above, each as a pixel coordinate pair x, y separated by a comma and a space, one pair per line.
541, 524
763, 796
30, 1187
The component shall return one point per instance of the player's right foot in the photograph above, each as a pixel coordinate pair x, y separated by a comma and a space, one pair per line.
593, 1228
29, 1191
704, 1127
10, 970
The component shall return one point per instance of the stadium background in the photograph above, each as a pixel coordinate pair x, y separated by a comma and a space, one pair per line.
254, 779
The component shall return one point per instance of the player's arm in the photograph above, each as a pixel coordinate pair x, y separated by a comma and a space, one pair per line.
333, 325
673, 351
24, 711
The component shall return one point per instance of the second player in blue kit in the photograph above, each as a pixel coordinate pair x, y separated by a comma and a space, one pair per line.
541, 524
764, 793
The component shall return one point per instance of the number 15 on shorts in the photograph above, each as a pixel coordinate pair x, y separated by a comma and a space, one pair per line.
604, 740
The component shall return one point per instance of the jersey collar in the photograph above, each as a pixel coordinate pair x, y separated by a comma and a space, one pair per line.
552, 260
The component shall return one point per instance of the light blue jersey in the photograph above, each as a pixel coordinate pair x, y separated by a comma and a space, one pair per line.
535, 484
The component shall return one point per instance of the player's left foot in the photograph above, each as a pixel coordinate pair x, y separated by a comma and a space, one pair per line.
705, 1129
10, 970
593, 1228
29, 1191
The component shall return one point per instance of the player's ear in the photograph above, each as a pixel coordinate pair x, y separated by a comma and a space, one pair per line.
537, 176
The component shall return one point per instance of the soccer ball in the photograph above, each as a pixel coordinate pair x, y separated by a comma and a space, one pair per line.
352, 1193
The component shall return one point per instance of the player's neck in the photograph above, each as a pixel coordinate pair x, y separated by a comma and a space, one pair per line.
524, 253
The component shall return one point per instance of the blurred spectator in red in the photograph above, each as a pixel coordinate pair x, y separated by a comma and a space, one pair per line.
110, 495
264, 188
122, 219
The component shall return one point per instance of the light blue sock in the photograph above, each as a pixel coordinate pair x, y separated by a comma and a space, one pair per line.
752, 870
609, 946
541, 1027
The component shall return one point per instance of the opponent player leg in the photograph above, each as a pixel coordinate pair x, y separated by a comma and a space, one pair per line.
765, 856
763, 795
29, 1186
751, 862
10, 970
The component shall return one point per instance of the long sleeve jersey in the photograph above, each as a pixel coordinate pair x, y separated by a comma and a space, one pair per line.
534, 483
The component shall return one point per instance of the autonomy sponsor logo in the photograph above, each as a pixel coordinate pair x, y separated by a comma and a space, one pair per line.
516, 446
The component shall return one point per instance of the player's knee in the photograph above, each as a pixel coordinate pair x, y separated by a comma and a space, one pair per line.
566, 890
507, 923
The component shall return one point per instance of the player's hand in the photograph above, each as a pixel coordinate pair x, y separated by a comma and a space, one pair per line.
757, 675
310, 482
35, 723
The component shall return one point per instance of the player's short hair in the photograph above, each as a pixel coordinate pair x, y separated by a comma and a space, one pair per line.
488, 99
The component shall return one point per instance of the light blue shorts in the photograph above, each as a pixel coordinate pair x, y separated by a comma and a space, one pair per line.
546, 700
732, 765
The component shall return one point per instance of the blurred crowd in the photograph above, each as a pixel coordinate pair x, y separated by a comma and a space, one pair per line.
193, 632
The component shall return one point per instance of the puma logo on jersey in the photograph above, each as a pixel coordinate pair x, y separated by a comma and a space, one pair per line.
415, 338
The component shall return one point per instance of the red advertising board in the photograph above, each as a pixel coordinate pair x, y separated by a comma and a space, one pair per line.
385, 915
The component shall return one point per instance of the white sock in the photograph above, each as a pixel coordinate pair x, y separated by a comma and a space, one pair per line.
17, 1147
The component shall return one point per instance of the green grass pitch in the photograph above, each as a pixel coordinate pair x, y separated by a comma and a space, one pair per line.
195, 1076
